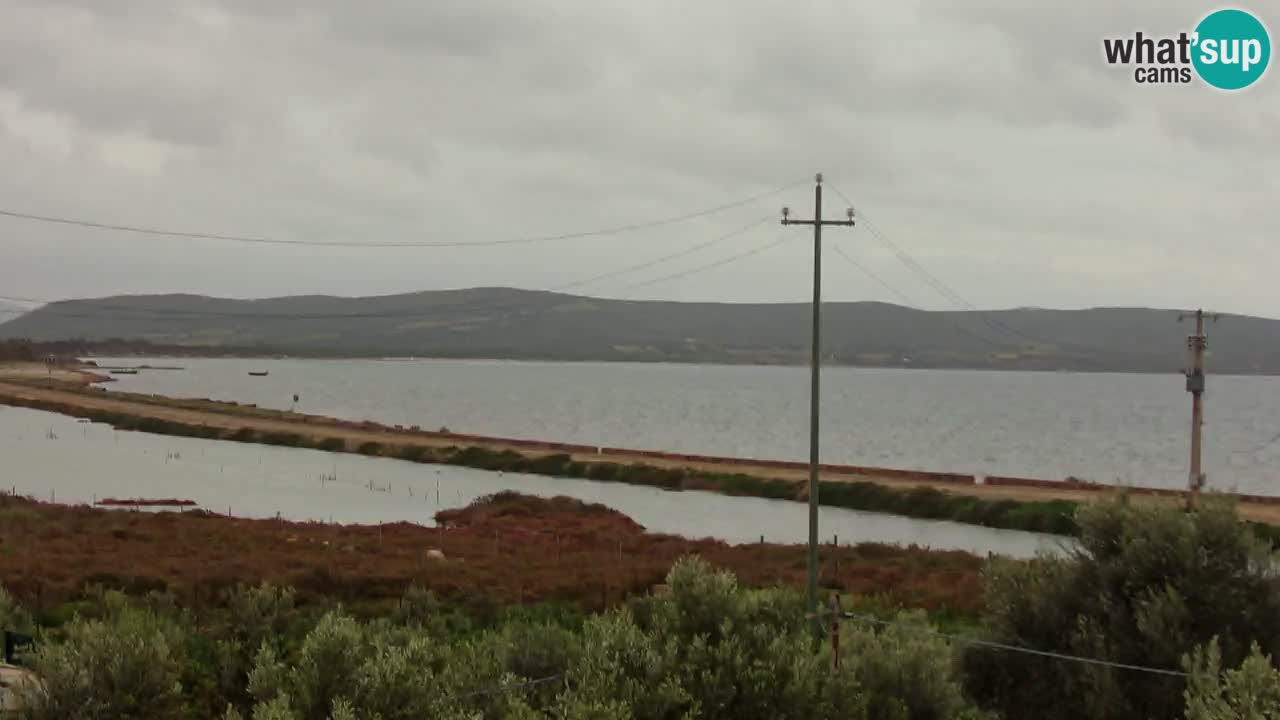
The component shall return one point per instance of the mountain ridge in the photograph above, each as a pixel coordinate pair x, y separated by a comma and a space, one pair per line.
499, 322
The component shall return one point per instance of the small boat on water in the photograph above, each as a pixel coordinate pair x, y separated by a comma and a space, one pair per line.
258, 373
124, 371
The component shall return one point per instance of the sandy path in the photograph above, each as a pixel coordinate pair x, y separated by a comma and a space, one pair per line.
233, 417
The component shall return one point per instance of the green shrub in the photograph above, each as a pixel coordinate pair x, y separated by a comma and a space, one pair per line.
422, 611
538, 650
332, 444
717, 651
126, 665
558, 464
412, 453
344, 668
604, 472
372, 447
930, 503
244, 434
284, 439
904, 671
12, 616
254, 616
749, 485
1146, 585
1250, 691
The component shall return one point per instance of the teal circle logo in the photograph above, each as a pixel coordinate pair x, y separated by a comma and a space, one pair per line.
1232, 49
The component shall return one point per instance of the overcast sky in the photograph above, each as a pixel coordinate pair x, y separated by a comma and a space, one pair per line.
986, 138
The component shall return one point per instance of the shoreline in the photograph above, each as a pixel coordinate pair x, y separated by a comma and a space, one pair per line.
798, 365
997, 502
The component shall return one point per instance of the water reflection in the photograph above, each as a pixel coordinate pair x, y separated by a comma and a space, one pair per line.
55, 457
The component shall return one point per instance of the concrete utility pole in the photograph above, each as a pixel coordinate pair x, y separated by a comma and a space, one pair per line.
1196, 345
815, 372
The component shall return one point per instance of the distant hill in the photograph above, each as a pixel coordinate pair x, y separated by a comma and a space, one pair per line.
520, 324
9, 311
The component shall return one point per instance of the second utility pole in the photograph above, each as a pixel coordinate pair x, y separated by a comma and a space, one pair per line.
815, 360
1196, 345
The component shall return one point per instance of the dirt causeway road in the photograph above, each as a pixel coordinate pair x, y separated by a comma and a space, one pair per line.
25, 384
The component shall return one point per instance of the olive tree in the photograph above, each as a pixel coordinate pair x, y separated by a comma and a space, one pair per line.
1249, 692
126, 665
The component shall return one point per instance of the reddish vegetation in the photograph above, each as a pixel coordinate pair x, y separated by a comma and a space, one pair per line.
511, 549
146, 502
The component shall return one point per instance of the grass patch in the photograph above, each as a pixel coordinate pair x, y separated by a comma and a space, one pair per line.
415, 453
486, 459
558, 465
332, 444
244, 434
283, 439
740, 485
1055, 517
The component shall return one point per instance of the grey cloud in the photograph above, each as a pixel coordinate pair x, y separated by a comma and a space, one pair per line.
987, 137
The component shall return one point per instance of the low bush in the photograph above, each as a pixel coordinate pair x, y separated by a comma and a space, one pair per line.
332, 444
284, 439
413, 453
244, 434
1055, 517
125, 665
556, 465
1146, 585
12, 617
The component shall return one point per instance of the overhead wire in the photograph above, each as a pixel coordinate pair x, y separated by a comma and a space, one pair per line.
954, 321
964, 304
703, 268
126, 310
933, 280
504, 688
1006, 647
666, 258
866, 271
263, 240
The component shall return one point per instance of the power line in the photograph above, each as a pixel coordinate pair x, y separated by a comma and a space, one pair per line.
412, 313
702, 268
504, 688
996, 325
663, 259
346, 244
932, 280
865, 271
989, 644
942, 288
901, 295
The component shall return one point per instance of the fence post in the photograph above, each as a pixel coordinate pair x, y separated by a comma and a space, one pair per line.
835, 632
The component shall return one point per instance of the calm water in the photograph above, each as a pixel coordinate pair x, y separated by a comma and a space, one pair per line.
55, 457
1114, 428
